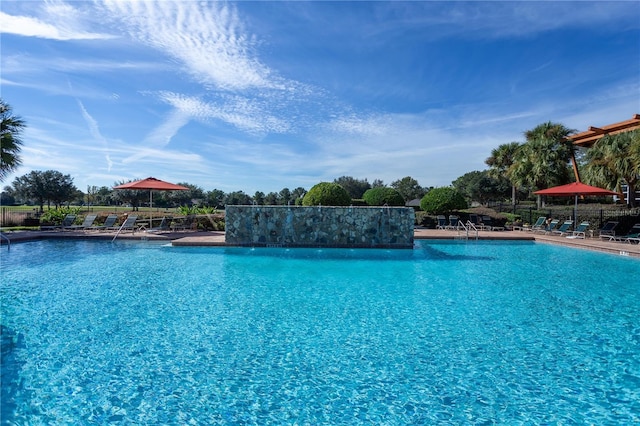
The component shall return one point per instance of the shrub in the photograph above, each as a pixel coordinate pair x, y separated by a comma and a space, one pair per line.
424, 220
57, 215
326, 194
443, 201
380, 196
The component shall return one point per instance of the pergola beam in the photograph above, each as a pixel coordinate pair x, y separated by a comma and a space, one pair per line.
588, 138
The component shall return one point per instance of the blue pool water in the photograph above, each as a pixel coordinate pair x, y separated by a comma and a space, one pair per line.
448, 333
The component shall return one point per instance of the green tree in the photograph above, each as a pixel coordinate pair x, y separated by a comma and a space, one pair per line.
297, 195
133, 197
615, 159
284, 196
237, 198
91, 196
10, 141
482, 187
409, 188
501, 160
7, 198
195, 195
258, 198
271, 199
215, 198
383, 195
327, 194
48, 186
442, 200
354, 187
543, 160
103, 196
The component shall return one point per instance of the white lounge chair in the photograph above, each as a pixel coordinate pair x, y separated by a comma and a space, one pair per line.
580, 231
564, 228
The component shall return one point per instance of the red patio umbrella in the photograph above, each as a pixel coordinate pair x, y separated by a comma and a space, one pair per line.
574, 189
151, 184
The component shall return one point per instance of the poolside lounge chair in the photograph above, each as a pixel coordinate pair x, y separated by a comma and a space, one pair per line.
453, 222
109, 224
188, 222
633, 236
538, 225
549, 227
564, 228
442, 222
164, 225
129, 224
580, 231
487, 224
88, 221
607, 230
66, 223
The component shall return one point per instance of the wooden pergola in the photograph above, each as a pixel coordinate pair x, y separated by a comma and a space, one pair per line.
587, 138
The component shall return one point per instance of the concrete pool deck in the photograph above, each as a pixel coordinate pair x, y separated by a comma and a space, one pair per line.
217, 238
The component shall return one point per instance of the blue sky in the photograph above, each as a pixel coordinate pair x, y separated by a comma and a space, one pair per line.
258, 96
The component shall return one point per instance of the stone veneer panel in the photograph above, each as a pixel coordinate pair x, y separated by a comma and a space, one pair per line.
319, 226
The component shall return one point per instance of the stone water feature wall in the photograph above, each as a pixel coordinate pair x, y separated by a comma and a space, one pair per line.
319, 226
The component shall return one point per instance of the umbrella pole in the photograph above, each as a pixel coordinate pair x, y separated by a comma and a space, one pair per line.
575, 212
150, 208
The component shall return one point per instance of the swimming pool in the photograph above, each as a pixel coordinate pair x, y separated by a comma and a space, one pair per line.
449, 333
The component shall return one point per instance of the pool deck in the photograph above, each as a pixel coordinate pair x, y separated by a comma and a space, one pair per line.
216, 238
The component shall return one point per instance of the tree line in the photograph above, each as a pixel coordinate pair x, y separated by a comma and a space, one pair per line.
53, 189
515, 171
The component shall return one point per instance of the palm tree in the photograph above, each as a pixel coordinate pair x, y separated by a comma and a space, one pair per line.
614, 159
542, 161
500, 161
10, 142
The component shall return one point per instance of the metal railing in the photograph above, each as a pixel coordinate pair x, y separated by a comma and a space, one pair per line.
596, 216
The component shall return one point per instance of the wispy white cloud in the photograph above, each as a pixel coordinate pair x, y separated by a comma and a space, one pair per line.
58, 21
95, 132
159, 137
239, 111
207, 37
490, 19
28, 63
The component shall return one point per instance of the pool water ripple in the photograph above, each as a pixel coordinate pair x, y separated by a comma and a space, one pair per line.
448, 333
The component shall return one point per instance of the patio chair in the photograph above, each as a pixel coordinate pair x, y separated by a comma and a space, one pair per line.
442, 222
453, 222
548, 227
487, 224
186, 223
128, 225
66, 222
633, 236
580, 231
538, 225
607, 230
109, 224
564, 228
86, 223
163, 227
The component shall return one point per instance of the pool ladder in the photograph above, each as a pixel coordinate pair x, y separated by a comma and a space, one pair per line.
468, 227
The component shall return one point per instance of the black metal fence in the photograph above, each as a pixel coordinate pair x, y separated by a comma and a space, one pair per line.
596, 216
18, 218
